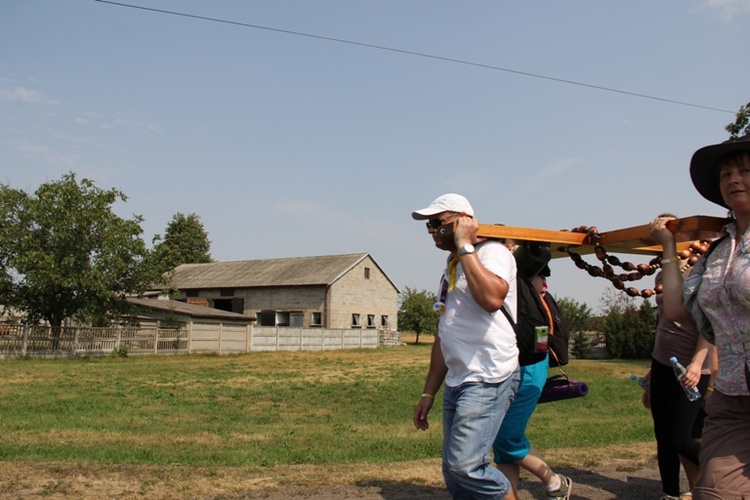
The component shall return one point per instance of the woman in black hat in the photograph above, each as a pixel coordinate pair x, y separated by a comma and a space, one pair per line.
717, 293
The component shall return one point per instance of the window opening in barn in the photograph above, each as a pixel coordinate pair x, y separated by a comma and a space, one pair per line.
370, 321
384, 320
238, 306
223, 304
355, 320
267, 318
297, 319
367, 273
192, 293
317, 319
282, 318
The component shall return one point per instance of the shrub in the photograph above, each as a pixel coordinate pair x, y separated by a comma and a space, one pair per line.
120, 352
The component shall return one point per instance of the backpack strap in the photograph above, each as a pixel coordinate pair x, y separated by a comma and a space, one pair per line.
507, 315
715, 243
549, 316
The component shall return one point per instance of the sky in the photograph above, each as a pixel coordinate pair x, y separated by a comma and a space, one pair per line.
298, 128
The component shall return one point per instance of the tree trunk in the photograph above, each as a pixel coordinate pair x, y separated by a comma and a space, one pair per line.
55, 332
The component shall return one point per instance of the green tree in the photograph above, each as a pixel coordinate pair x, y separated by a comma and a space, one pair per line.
578, 317
185, 242
416, 312
741, 125
65, 254
629, 330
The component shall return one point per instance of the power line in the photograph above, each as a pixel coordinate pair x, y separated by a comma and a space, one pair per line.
417, 54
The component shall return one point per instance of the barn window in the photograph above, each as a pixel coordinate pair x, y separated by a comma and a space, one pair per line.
296, 319
370, 321
355, 320
367, 273
384, 320
282, 318
317, 319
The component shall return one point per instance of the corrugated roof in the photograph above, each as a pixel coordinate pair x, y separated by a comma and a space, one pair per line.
192, 310
294, 271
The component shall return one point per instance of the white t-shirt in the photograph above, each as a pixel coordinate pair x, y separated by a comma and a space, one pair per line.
479, 346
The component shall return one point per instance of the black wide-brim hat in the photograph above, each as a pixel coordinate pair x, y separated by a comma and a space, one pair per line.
532, 260
703, 167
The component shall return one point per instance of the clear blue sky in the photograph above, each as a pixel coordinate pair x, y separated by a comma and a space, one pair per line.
288, 145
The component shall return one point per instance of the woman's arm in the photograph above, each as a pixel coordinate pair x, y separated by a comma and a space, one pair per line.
674, 307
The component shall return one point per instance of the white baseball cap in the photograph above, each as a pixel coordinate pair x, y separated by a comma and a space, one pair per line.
449, 202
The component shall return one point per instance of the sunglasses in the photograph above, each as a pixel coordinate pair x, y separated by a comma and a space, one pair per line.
436, 223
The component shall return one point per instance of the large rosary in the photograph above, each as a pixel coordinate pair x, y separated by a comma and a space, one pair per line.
633, 272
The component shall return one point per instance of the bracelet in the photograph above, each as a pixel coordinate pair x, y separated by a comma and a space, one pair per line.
670, 260
710, 389
425, 395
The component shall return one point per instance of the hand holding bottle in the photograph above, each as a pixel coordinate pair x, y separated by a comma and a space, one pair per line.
692, 393
692, 375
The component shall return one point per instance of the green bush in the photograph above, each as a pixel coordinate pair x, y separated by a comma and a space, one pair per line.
120, 352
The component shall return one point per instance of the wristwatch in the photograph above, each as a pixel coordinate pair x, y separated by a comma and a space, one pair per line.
466, 249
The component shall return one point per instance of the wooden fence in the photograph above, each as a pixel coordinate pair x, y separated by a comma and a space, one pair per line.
197, 337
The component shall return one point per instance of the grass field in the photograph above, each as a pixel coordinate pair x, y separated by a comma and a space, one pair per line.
266, 409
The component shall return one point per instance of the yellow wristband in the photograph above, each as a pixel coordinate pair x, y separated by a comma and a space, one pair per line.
425, 395
710, 389
670, 260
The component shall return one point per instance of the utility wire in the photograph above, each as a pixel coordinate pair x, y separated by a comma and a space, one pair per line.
417, 54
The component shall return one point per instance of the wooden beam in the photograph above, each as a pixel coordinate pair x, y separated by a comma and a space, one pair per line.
533, 235
631, 240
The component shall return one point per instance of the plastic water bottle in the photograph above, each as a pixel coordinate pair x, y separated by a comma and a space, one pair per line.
692, 393
640, 381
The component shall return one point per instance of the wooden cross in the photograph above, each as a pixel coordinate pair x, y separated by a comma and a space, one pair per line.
631, 240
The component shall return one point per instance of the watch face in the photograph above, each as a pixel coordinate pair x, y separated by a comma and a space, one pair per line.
468, 248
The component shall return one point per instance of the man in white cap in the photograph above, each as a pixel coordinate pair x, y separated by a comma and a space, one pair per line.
475, 350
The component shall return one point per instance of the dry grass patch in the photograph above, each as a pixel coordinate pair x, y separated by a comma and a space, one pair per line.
93, 481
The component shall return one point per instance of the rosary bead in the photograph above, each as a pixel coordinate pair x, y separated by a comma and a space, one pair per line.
614, 260
595, 272
636, 272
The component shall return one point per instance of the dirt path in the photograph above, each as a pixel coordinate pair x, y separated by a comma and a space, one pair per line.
623, 479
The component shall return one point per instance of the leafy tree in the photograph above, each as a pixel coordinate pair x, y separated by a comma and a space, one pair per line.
741, 125
185, 242
65, 254
172, 321
416, 313
614, 300
629, 331
578, 317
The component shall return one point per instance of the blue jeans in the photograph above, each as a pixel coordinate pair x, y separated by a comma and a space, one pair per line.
472, 414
